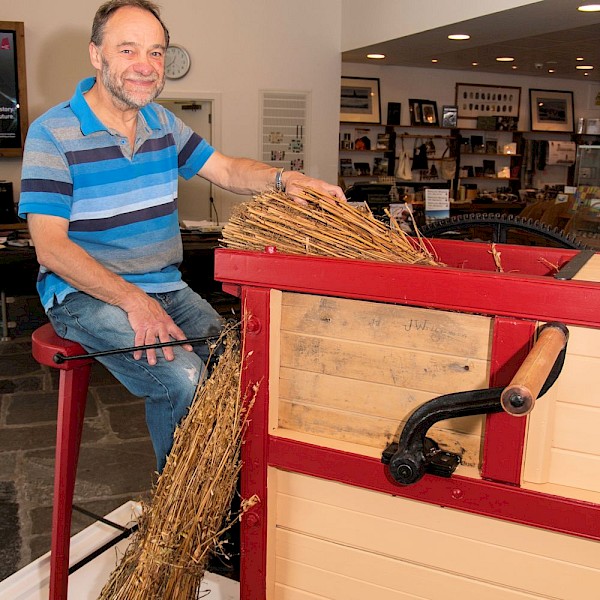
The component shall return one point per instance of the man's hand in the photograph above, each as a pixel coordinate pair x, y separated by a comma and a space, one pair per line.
151, 324
295, 181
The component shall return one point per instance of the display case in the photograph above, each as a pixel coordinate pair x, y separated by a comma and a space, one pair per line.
587, 166
585, 223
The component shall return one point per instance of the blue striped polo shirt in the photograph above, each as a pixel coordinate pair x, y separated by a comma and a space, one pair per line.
121, 207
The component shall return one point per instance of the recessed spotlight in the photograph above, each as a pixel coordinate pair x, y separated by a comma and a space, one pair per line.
376, 56
474, 64
505, 58
434, 60
514, 67
584, 67
459, 36
551, 71
589, 8
586, 74
579, 58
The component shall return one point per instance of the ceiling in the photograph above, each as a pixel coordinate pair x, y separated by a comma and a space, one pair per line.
545, 35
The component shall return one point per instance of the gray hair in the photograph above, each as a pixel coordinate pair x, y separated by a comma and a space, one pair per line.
108, 8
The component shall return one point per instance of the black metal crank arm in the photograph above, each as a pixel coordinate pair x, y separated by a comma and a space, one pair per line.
59, 358
408, 459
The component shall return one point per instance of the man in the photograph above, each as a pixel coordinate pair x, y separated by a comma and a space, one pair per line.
99, 189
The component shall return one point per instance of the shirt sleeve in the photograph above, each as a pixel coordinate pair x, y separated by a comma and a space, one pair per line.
193, 150
46, 183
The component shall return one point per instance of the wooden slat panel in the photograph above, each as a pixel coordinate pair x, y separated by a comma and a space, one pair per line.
466, 549
577, 428
590, 271
361, 397
378, 432
427, 371
530, 540
563, 446
337, 571
284, 592
388, 324
353, 371
575, 469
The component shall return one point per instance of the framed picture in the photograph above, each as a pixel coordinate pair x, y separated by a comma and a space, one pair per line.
414, 108
360, 101
423, 112
487, 100
13, 89
429, 114
449, 116
551, 110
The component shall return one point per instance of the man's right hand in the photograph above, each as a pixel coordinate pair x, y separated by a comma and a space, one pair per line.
151, 324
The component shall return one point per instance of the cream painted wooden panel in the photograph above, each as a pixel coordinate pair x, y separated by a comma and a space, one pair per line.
353, 371
335, 541
563, 446
591, 270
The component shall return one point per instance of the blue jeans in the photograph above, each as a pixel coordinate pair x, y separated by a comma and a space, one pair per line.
169, 386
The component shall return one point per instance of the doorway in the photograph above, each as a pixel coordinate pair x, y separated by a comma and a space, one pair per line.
195, 197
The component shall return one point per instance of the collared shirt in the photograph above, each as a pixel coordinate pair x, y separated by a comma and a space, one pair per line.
121, 202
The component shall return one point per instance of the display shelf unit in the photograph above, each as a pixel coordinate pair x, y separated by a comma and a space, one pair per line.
361, 165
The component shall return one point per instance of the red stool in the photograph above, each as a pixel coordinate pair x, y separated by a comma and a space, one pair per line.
72, 394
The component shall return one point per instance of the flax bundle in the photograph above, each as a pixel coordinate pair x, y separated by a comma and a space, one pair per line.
181, 526
323, 226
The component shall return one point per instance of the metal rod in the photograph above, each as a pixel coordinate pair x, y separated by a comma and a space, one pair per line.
59, 358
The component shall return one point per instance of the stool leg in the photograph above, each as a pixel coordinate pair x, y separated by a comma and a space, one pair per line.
72, 396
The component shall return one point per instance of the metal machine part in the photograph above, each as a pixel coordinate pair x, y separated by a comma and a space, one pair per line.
414, 454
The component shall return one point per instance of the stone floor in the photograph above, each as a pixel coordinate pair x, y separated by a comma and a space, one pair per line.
116, 461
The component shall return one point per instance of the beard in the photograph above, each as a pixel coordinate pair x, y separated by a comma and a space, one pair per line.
128, 99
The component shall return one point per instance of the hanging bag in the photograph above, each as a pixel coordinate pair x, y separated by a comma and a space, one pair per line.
447, 165
403, 170
419, 162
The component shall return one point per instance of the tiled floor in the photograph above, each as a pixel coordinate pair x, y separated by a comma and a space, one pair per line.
116, 461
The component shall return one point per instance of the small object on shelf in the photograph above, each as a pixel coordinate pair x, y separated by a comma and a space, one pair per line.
383, 142
362, 168
346, 167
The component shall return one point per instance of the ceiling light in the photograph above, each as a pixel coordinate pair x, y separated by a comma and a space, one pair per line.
586, 74
434, 60
505, 58
584, 67
475, 64
551, 71
376, 56
589, 8
579, 58
515, 67
459, 36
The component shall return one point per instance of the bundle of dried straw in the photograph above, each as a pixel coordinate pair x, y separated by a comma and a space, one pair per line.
323, 226
191, 502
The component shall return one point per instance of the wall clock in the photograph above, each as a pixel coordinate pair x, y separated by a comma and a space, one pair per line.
177, 62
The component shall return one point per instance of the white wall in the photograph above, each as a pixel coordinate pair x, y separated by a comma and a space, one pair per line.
398, 84
238, 49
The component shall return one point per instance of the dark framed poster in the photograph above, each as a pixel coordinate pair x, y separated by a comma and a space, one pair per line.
13, 89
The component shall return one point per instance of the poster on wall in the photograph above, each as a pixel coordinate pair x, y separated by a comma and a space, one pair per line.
10, 129
13, 103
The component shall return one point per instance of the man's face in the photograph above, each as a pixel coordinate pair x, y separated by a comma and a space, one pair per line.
131, 58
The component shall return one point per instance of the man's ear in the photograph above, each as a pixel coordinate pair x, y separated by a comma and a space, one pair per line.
95, 56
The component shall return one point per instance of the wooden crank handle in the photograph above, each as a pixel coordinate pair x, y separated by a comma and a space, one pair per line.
519, 397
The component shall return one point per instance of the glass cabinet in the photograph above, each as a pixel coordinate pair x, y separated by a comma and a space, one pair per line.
585, 223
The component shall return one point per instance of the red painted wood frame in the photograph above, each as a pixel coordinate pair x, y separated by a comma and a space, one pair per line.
517, 300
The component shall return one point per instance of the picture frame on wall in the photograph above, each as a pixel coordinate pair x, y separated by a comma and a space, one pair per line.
414, 108
13, 89
360, 100
551, 110
487, 101
423, 113
449, 116
429, 113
